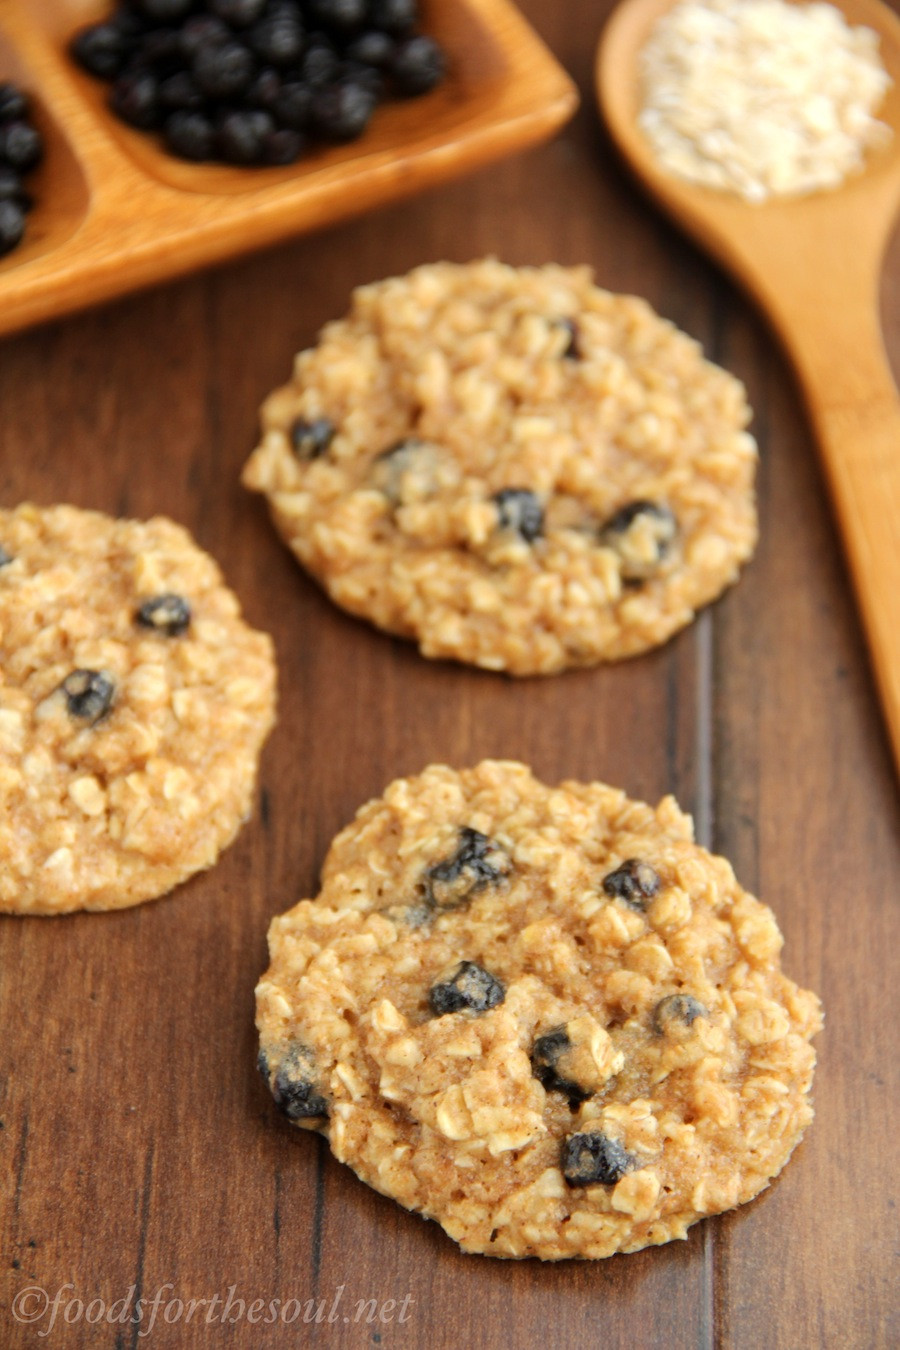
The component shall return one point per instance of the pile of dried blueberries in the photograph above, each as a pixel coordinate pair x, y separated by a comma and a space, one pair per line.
255, 82
21, 148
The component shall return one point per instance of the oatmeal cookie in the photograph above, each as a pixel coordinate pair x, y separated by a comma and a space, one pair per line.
133, 705
542, 1016
511, 466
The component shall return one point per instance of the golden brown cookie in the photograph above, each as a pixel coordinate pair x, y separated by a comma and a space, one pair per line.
511, 466
542, 1016
134, 702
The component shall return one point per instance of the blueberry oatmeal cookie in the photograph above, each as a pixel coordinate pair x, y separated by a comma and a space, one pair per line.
133, 705
542, 1016
511, 466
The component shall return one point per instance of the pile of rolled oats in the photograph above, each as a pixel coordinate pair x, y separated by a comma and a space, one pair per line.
761, 98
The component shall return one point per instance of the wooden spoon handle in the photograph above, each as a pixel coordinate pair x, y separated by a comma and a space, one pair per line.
840, 358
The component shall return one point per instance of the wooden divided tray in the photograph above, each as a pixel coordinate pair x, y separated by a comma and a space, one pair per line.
115, 212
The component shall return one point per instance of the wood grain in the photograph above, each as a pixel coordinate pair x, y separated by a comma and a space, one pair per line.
138, 1147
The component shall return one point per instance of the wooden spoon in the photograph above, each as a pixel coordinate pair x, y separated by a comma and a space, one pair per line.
813, 264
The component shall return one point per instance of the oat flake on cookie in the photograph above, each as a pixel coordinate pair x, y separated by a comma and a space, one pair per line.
542, 1016
134, 702
511, 466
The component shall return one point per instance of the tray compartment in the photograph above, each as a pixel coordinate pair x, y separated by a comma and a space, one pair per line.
58, 185
476, 61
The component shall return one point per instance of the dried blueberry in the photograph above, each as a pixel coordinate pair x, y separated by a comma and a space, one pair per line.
635, 882
390, 466
283, 146
311, 439
101, 50
418, 65
179, 93
341, 14
366, 77
291, 105
190, 135
294, 1086
168, 614
519, 509
372, 49
135, 98
341, 112
576, 1058
89, 694
21, 145
264, 90
131, 26
594, 1159
21, 148
627, 514
12, 225
319, 63
239, 13
677, 1010
546, 1054
13, 102
414, 916
223, 70
5, 558
393, 16
478, 862
641, 533
466, 986
278, 40
165, 11
571, 351
11, 189
159, 51
242, 136
205, 30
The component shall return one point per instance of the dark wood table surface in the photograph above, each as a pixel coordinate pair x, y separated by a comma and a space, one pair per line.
140, 1153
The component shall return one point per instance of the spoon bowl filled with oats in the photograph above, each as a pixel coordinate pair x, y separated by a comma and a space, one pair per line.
771, 133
